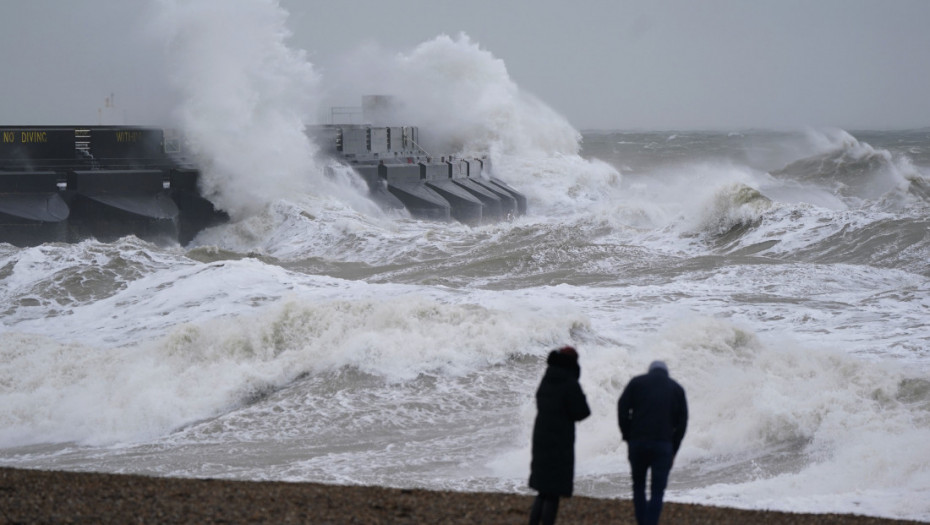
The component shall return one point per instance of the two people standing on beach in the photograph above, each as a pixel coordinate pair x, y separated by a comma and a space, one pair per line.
653, 416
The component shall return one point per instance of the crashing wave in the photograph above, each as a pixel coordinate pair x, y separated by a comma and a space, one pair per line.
735, 209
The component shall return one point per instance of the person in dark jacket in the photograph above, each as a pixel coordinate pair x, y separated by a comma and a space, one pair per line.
653, 416
560, 402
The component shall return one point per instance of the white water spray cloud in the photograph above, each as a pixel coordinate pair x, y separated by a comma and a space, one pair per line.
461, 96
245, 98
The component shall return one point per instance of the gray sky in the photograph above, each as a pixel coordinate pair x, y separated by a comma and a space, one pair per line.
601, 64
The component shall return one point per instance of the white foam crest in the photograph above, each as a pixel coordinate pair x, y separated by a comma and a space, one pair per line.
876, 175
308, 226
245, 97
734, 205
147, 306
684, 200
560, 185
710, 196
313, 227
837, 140
678, 207
49, 280
909, 187
881, 235
57, 392
198, 361
795, 227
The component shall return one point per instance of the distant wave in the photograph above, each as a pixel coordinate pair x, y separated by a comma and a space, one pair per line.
857, 170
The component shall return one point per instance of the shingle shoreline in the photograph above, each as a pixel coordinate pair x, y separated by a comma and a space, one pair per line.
37, 496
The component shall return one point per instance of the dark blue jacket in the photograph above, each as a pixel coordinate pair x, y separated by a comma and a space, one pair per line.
560, 403
653, 407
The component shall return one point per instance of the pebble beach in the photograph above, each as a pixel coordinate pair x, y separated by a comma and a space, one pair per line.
38, 496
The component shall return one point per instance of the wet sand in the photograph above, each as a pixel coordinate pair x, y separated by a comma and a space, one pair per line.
34, 496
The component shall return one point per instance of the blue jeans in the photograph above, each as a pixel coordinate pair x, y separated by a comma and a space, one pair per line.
646, 455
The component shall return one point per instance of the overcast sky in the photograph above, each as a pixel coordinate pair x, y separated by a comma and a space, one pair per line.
601, 64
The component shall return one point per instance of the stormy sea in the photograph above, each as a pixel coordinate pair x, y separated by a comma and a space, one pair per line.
784, 276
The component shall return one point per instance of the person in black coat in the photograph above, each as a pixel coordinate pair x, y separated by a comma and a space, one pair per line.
653, 416
560, 402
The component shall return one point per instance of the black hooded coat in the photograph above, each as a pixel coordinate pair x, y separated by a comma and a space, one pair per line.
560, 403
653, 407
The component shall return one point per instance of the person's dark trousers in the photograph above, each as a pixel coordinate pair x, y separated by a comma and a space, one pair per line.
649, 455
544, 510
